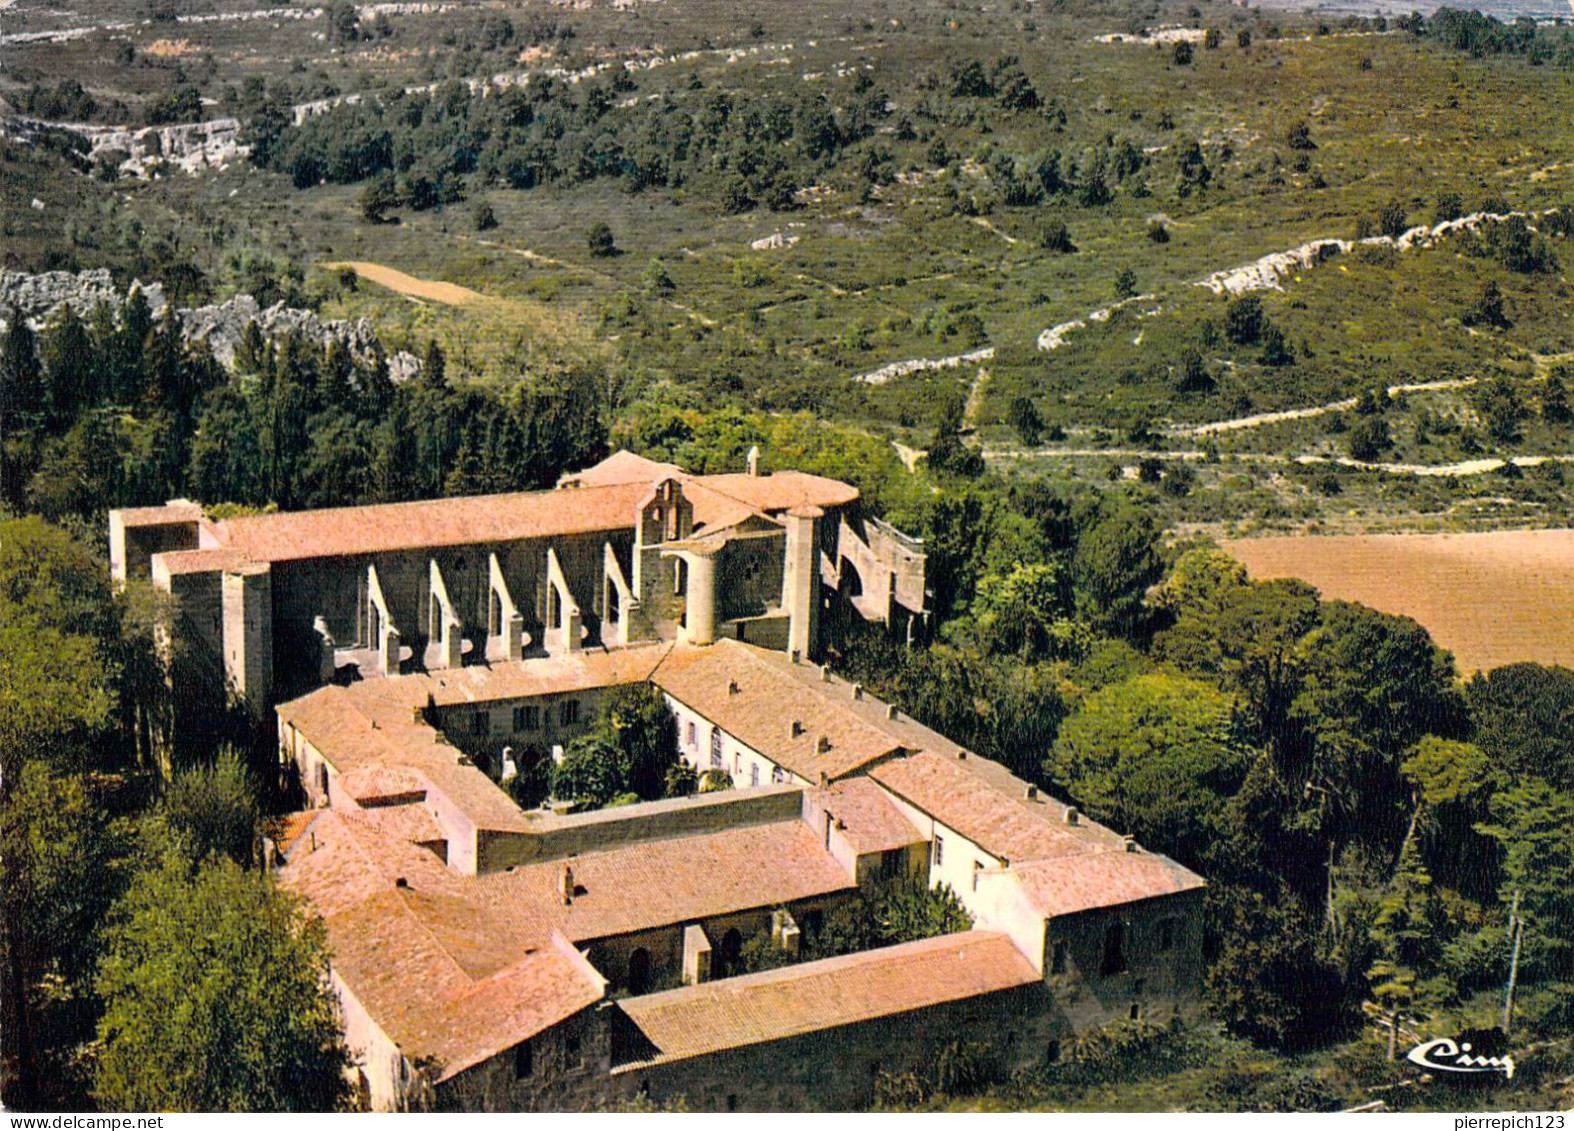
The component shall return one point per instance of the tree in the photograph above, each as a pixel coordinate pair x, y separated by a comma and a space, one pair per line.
601, 242
1276, 350
212, 810
21, 378
1027, 613
1155, 756
1370, 439
1521, 713
1531, 821
637, 719
1405, 935
1555, 399
1488, 308
485, 218
1392, 221
1126, 284
1056, 237
60, 869
1023, 415
1115, 562
72, 368
1243, 320
1182, 55
379, 198
216, 998
1243, 38
434, 366
1300, 136
1502, 407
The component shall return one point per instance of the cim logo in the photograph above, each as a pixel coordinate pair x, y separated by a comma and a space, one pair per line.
1464, 1057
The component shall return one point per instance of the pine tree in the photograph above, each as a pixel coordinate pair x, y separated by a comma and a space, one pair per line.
21, 378
72, 370
1404, 933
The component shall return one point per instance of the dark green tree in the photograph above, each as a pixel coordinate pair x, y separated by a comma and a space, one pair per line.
216, 998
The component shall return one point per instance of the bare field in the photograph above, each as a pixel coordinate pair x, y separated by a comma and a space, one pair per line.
1491, 599
450, 294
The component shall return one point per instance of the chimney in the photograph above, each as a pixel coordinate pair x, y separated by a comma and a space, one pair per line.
732, 687
402, 883
961, 755
795, 729
1072, 816
1131, 844
822, 745
890, 711
418, 714
825, 673
825, 779
566, 884
1031, 793
858, 691
754, 460
796, 656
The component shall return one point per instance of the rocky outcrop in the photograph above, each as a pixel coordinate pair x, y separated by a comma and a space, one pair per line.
921, 364
191, 148
39, 299
1264, 274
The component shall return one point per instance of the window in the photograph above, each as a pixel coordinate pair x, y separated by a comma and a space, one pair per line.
481, 722
754, 773
1114, 950
1135, 1012
693, 737
778, 775
715, 748
978, 866
568, 712
1057, 961
1166, 934
524, 1060
939, 850
639, 971
573, 1053
527, 718
891, 862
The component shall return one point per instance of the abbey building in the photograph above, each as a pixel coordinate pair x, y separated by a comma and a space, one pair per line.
490, 957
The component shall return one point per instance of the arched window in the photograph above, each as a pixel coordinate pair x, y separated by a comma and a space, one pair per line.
639, 971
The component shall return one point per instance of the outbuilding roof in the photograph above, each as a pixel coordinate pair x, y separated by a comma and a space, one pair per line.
834, 992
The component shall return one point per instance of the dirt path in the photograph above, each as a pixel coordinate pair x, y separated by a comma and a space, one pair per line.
449, 294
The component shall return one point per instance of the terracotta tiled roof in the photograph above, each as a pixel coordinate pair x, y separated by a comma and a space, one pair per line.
369, 725
771, 1006
986, 804
866, 816
373, 785
520, 679
656, 883
1102, 879
413, 822
344, 531
286, 830
174, 511
771, 694
621, 468
436, 971
782, 490
177, 562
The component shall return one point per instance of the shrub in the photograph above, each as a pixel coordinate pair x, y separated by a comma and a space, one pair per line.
601, 242
965, 1068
